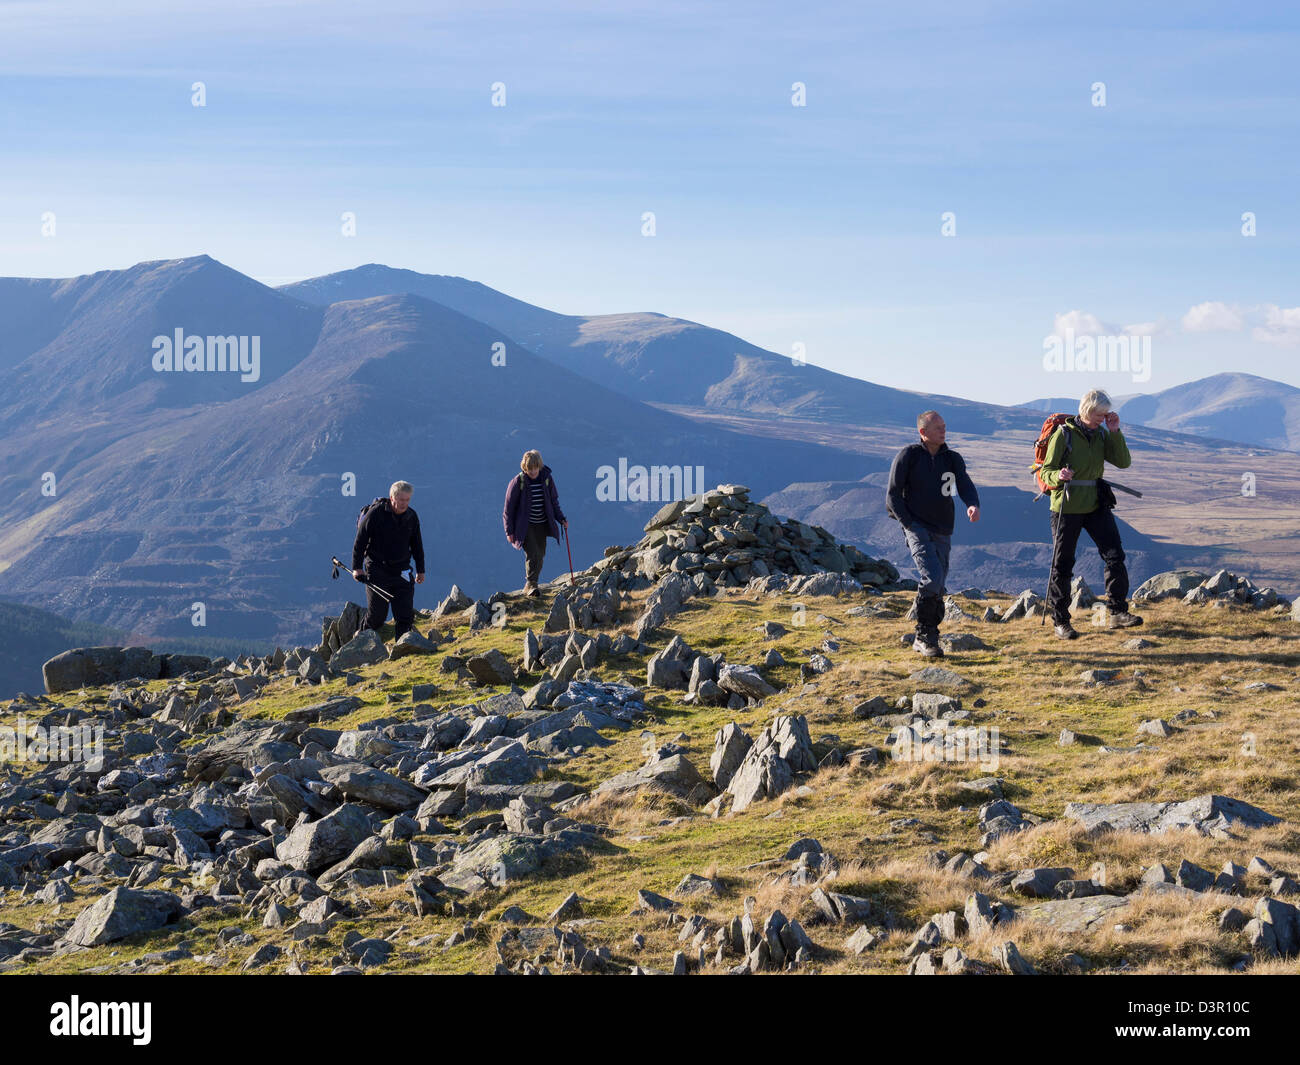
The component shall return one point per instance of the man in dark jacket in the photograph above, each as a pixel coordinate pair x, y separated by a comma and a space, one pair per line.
388, 535
922, 481
531, 514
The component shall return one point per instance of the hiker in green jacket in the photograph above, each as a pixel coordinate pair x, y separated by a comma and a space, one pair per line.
1081, 500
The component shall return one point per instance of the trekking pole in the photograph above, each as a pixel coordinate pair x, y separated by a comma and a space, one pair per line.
387, 597
572, 579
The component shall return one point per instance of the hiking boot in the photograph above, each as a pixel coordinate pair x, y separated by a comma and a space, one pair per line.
1124, 620
927, 646
1066, 631
531, 590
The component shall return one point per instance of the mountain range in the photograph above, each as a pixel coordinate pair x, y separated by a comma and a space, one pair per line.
147, 499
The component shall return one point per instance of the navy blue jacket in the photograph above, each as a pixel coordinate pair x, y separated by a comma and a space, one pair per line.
915, 495
514, 515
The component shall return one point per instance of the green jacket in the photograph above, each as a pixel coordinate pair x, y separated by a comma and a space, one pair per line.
1088, 458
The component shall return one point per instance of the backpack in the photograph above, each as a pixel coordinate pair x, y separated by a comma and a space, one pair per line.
1054, 422
522, 486
368, 508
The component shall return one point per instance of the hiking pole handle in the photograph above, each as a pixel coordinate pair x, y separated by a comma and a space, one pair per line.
386, 596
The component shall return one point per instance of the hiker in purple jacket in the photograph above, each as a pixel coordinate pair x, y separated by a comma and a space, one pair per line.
530, 515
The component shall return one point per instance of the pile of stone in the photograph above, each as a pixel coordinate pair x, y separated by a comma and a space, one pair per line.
720, 538
1200, 589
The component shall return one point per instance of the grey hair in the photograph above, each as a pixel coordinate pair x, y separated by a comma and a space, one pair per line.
397, 487
1096, 400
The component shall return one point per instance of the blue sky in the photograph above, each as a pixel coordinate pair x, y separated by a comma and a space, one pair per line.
817, 225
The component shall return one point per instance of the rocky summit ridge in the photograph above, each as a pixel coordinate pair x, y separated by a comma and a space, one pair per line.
476, 789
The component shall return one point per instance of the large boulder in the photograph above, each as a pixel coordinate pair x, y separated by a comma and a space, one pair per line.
837, 583
664, 671
362, 783
675, 774
744, 680
491, 667
1172, 584
508, 857
412, 643
768, 768
789, 735
763, 774
364, 649
123, 912
730, 745
1210, 815
938, 677
1275, 931
511, 763
317, 845
558, 619
84, 667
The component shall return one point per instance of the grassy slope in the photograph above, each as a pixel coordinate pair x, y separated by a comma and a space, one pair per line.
1202, 660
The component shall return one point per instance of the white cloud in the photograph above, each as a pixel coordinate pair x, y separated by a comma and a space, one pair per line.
1082, 324
1086, 324
1267, 322
1281, 325
1213, 317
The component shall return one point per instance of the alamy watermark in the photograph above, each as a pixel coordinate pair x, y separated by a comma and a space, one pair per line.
213, 354
639, 484
946, 743
1065, 353
114, 1019
61, 743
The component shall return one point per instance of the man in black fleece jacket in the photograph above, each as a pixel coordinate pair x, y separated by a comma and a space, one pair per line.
922, 481
388, 535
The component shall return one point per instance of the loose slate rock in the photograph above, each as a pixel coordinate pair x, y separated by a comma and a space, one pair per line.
1073, 915
1208, 814
315, 846
364, 649
938, 677
123, 912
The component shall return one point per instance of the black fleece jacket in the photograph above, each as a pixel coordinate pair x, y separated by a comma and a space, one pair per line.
389, 537
916, 493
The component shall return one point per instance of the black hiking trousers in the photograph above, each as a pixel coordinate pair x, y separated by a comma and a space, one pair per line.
534, 551
1100, 525
390, 579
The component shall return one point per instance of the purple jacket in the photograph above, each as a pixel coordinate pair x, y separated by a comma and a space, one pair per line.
514, 515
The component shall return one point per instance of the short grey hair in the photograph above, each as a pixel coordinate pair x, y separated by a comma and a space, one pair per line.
1096, 400
398, 487
925, 417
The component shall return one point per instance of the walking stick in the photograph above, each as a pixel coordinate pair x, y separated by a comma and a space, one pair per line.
572, 579
377, 590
